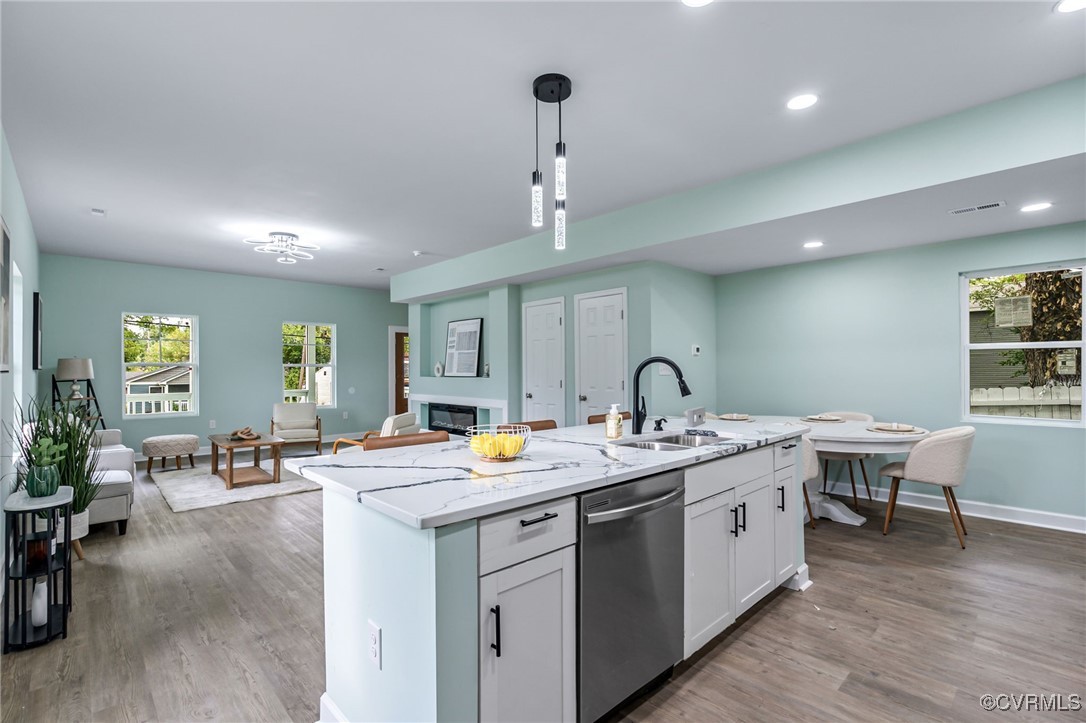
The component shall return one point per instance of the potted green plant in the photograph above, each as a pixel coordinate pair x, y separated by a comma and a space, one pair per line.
42, 473
77, 466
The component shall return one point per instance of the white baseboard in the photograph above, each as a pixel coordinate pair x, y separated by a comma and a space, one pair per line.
330, 713
800, 581
969, 508
206, 451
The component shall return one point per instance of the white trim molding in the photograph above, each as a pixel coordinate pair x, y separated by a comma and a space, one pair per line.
970, 508
330, 712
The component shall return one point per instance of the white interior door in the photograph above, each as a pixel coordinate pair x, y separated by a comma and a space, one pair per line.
600, 352
544, 354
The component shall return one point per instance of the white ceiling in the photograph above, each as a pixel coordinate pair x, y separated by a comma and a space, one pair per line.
374, 129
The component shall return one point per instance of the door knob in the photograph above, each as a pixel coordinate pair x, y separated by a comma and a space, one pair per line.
528, 395
583, 398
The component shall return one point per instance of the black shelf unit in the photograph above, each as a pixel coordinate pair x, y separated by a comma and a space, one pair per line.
33, 556
92, 411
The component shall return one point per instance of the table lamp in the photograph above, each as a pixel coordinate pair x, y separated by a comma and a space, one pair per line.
74, 370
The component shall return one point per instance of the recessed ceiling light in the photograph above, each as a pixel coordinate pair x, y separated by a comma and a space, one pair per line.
703, 3
98, 212
378, 268
1069, 6
812, 245
801, 102
1036, 207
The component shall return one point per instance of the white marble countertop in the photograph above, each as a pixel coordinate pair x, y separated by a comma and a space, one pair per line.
439, 484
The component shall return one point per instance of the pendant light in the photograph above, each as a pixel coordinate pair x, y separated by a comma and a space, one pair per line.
551, 88
537, 178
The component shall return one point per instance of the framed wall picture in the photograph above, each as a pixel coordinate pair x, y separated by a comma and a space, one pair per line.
5, 302
462, 347
36, 340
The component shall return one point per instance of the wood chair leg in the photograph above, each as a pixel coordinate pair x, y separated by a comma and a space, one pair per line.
163, 463
807, 500
852, 476
825, 474
191, 462
954, 516
78, 547
177, 461
957, 509
894, 482
150, 463
866, 484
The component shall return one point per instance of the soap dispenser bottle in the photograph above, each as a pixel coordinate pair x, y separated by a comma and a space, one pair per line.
614, 423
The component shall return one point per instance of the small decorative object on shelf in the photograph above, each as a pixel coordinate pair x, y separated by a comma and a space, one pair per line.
37, 568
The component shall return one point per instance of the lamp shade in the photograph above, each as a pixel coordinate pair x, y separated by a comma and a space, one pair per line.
69, 370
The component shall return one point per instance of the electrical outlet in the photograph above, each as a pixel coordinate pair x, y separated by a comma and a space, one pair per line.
373, 644
211, 424
695, 350
345, 415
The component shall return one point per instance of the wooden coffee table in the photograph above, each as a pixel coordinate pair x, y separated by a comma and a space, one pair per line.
246, 475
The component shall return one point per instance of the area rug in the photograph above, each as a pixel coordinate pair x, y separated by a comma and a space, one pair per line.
196, 488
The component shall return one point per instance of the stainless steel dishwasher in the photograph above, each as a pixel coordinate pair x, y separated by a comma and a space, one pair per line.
630, 608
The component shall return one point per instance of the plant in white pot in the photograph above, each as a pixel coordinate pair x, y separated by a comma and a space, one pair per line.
77, 469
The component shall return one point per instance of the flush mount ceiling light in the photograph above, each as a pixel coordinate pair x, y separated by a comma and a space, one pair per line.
551, 88
285, 245
98, 212
812, 245
1069, 6
802, 102
1030, 208
696, 3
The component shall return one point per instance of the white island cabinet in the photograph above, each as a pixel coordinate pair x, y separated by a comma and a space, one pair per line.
425, 548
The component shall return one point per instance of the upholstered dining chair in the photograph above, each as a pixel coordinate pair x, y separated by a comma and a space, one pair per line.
403, 440
297, 422
938, 459
810, 472
396, 425
538, 425
601, 418
849, 457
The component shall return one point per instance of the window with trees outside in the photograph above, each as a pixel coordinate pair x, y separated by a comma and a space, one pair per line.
160, 366
1022, 356
309, 363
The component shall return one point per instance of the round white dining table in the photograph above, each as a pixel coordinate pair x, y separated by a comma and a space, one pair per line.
853, 437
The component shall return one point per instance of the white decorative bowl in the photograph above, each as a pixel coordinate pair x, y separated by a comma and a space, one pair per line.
499, 442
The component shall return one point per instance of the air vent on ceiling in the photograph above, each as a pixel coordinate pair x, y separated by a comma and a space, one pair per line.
978, 207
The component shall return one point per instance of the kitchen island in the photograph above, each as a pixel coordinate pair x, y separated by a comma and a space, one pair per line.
418, 539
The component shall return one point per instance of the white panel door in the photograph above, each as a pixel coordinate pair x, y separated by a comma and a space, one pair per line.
527, 640
544, 354
600, 352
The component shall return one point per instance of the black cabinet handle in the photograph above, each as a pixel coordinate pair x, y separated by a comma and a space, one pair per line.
497, 644
781, 505
743, 526
542, 518
735, 521
789, 446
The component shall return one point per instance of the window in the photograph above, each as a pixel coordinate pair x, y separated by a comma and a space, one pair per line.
1022, 350
309, 363
159, 364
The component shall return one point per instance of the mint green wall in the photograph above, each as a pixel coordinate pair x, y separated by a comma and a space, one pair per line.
240, 372
970, 143
879, 333
683, 308
24, 254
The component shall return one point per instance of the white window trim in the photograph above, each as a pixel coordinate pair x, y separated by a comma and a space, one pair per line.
195, 364
334, 362
967, 346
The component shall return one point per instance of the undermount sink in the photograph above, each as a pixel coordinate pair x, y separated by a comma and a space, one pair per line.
690, 440
655, 446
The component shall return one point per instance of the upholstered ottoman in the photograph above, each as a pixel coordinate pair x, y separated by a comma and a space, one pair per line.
170, 445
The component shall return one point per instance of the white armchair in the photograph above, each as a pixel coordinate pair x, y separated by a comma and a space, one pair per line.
297, 422
116, 473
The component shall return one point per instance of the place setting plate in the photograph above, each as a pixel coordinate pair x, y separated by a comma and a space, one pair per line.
733, 417
893, 428
822, 418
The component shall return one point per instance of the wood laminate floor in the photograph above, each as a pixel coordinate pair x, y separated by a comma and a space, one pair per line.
217, 615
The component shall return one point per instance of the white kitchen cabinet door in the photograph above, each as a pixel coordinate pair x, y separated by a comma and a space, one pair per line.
786, 524
709, 601
754, 555
529, 612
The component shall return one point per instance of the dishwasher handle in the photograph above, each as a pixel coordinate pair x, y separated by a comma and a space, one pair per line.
634, 510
